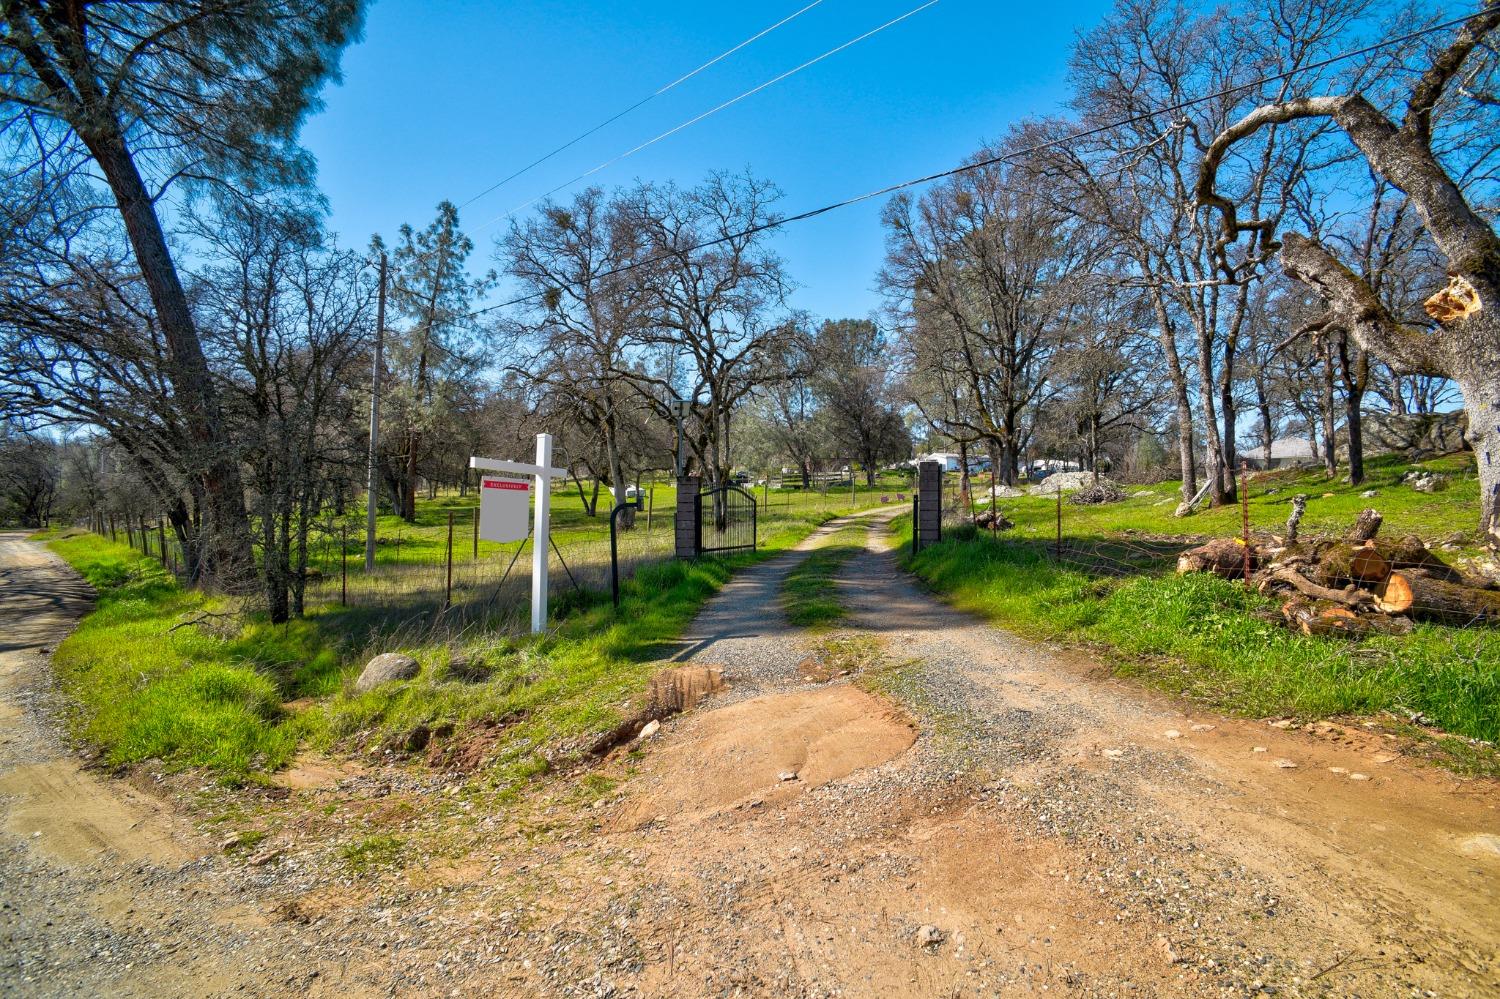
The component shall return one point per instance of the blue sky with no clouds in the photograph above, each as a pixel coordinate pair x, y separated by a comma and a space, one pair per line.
442, 99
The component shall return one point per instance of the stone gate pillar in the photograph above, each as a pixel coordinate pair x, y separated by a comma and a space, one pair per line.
929, 527
686, 520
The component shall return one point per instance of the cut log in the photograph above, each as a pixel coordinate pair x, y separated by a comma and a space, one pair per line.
1324, 618
1366, 526
1368, 565
1346, 563
1349, 596
1221, 556
1429, 599
1410, 552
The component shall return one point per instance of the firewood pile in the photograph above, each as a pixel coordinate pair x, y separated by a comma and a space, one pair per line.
992, 520
1351, 586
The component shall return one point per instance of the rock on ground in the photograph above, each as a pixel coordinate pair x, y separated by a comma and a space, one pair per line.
384, 668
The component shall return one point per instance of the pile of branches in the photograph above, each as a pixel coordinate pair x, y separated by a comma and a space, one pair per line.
1351, 586
992, 520
1103, 491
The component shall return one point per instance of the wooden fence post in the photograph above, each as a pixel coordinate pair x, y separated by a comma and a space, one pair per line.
344, 566
1245, 515
448, 594
1058, 549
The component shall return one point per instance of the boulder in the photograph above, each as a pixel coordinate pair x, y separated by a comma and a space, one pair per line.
1066, 481
384, 668
1425, 482
1414, 433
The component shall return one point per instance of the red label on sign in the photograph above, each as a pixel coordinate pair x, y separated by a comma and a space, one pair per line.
505, 484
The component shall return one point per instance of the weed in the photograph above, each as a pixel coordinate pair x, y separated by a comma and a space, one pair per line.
373, 853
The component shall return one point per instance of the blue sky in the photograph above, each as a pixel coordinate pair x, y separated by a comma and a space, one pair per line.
442, 99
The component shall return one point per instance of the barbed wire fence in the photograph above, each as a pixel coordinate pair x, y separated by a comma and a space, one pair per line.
1350, 582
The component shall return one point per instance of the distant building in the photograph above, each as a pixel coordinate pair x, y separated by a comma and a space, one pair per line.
1284, 451
951, 460
948, 459
1043, 467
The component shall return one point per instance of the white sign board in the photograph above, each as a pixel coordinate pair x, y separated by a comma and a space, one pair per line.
504, 509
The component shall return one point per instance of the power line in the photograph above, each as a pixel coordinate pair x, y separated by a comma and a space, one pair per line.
640, 103
710, 112
1070, 137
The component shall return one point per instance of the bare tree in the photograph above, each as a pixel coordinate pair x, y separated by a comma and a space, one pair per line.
991, 272
1105, 371
716, 301
30, 472
852, 380
1406, 153
1137, 179
203, 88
287, 321
584, 316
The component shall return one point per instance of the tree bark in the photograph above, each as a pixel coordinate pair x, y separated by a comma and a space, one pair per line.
226, 559
1330, 440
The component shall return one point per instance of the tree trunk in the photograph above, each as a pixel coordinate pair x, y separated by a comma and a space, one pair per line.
1230, 485
1330, 441
1213, 457
1186, 457
1355, 371
227, 559
1482, 404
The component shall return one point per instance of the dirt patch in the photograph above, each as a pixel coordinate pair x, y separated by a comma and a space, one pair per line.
955, 903
682, 688
68, 815
766, 750
309, 773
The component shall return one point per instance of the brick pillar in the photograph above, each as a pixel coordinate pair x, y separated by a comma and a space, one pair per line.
929, 526
687, 516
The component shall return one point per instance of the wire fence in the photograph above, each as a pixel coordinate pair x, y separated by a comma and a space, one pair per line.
440, 572
1350, 583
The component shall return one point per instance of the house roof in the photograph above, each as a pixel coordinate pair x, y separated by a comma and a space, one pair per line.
1291, 447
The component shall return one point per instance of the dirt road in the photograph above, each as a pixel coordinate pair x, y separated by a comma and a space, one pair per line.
1052, 829
106, 891
917, 805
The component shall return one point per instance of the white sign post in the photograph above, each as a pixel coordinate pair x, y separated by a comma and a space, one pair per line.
540, 542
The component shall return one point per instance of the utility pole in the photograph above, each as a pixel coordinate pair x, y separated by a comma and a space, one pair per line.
374, 480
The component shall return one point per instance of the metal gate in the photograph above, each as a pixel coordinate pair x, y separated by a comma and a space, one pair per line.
725, 519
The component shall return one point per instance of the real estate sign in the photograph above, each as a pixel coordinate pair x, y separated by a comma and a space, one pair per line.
504, 509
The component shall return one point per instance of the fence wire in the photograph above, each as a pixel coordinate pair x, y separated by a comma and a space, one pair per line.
1321, 583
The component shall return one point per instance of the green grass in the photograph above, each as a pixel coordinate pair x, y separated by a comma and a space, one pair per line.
1198, 635
810, 593
1455, 510
556, 693
144, 688
159, 672
372, 853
